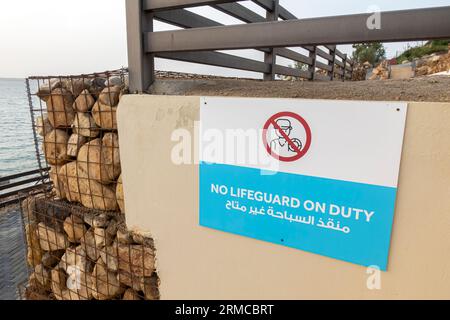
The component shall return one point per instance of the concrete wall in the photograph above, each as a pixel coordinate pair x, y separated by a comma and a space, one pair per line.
198, 263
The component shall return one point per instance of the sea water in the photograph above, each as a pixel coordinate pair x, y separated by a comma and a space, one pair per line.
17, 150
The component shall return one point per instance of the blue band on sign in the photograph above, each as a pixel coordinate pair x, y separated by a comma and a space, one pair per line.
339, 219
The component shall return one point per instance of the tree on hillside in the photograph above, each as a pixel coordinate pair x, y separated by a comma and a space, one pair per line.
301, 66
371, 52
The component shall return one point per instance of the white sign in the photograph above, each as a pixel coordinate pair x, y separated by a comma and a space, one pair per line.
338, 161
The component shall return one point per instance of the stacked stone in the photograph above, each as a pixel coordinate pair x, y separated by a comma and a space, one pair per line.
80, 139
77, 255
381, 72
84, 252
433, 64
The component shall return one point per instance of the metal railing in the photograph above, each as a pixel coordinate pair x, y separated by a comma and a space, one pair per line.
319, 36
321, 63
16, 187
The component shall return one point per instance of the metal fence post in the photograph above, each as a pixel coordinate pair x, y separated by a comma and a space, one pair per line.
312, 67
345, 66
271, 57
332, 63
140, 65
351, 69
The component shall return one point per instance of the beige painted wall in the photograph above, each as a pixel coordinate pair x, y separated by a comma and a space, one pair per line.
198, 263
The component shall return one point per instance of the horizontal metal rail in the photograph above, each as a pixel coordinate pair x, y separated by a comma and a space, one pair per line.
164, 5
204, 36
20, 183
24, 193
154, 5
142, 13
340, 63
323, 66
340, 54
21, 175
218, 59
293, 72
396, 26
324, 55
39, 179
186, 19
25, 190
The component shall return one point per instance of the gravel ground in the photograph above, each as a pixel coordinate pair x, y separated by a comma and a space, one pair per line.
435, 89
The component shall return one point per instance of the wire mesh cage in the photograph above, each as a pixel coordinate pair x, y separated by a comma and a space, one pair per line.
75, 128
78, 245
78, 253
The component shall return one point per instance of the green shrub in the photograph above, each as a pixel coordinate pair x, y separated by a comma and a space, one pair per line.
420, 51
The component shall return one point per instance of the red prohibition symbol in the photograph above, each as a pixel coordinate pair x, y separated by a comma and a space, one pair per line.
282, 123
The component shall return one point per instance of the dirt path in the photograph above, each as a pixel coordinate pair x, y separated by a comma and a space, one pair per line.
436, 89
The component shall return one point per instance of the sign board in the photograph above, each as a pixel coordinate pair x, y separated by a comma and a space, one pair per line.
315, 175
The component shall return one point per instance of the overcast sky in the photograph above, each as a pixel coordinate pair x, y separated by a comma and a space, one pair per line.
57, 37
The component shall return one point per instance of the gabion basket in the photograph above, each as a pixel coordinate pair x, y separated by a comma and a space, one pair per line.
78, 245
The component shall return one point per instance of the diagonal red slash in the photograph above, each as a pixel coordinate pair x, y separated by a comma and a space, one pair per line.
285, 136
